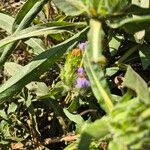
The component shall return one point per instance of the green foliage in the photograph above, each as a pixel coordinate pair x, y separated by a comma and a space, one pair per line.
24, 20
96, 130
68, 74
37, 67
43, 29
125, 125
135, 82
50, 46
144, 55
94, 61
70, 7
6, 22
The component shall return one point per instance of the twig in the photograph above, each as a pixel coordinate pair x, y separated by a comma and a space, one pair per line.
67, 138
87, 111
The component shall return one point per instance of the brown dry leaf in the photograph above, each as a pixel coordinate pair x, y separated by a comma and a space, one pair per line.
104, 145
16, 146
118, 81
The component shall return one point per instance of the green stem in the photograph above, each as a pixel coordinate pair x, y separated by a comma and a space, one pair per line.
127, 54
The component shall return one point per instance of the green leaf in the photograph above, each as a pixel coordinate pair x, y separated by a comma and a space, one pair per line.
71, 146
27, 13
135, 82
24, 18
117, 145
11, 68
111, 71
4, 129
3, 114
39, 88
114, 44
96, 130
137, 10
75, 118
114, 6
31, 111
144, 52
6, 22
121, 109
145, 114
93, 59
132, 25
128, 53
37, 30
37, 67
37, 45
55, 91
12, 108
74, 104
69, 7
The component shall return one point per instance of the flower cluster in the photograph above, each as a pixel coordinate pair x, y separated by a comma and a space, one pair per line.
78, 51
82, 81
82, 46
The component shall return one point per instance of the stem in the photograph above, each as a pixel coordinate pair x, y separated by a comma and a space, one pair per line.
127, 54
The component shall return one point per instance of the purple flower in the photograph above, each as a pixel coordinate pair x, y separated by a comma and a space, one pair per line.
80, 70
82, 46
82, 82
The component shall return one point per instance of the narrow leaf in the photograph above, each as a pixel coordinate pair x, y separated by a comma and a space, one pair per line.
93, 59
27, 13
24, 18
11, 68
37, 67
6, 22
35, 31
137, 10
132, 25
75, 118
68, 7
37, 45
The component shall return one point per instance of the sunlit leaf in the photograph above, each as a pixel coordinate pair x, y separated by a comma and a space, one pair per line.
27, 13
135, 82
24, 18
75, 118
96, 130
70, 7
38, 30
6, 22
93, 62
12, 108
37, 67
37, 45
